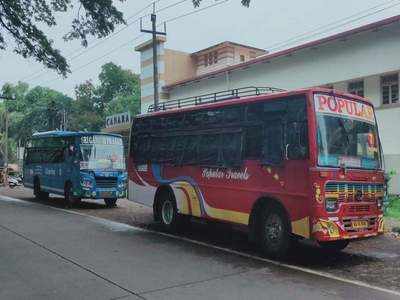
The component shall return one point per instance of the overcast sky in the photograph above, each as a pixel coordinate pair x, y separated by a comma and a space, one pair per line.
265, 24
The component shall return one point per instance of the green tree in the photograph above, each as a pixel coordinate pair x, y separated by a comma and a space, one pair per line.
22, 20
118, 91
33, 110
87, 111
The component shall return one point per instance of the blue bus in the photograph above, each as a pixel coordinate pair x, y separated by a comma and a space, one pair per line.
77, 165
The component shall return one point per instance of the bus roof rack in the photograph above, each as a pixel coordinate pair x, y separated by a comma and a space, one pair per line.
213, 97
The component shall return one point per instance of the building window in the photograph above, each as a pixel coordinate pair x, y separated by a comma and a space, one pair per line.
211, 58
356, 88
215, 57
242, 58
206, 60
390, 89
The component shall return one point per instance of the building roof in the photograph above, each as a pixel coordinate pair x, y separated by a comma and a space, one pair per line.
290, 51
227, 43
149, 43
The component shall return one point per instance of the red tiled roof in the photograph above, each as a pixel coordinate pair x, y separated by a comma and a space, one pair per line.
289, 51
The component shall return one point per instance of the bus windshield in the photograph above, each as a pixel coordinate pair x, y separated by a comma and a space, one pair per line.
347, 134
101, 152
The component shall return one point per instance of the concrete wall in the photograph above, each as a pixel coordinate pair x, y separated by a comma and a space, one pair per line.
178, 66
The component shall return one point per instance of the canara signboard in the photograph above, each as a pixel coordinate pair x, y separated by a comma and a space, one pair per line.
118, 120
337, 106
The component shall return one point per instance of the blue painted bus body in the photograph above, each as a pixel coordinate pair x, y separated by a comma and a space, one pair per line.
92, 163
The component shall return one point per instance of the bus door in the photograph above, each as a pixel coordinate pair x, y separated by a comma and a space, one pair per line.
296, 146
70, 170
285, 148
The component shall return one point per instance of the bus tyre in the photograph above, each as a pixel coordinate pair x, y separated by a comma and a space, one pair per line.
110, 202
166, 211
275, 237
334, 246
69, 197
39, 194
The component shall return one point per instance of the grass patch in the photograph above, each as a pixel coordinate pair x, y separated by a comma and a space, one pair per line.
393, 209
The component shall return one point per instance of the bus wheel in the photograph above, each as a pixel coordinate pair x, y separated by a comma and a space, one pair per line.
111, 202
334, 246
69, 197
39, 194
274, 231
167, 211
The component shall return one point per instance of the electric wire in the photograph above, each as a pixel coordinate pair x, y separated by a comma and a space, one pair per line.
138, 37
38, 74
332, 26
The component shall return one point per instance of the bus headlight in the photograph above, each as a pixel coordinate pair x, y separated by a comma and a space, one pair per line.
122, 184
87, 183
331, 204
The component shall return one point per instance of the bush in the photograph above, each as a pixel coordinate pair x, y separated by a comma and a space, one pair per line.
393, 208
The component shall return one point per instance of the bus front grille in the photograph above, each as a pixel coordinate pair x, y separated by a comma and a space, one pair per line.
348, 191
106, 182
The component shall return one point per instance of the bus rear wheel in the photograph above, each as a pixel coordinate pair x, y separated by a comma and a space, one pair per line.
274, 232
110, 202
334, 246
69, 197
167, 211
39, 194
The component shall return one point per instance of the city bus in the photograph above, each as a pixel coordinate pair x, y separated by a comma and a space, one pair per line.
76, 165
284, 165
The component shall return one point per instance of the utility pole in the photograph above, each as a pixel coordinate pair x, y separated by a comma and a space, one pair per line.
154, 33
5, 174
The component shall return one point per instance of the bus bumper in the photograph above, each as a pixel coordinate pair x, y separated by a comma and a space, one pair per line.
340, 228
101, 194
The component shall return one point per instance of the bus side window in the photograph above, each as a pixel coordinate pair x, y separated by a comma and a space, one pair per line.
58, 156
190, 152
179, 149
231, 149
209, 149
272, 148
253, 142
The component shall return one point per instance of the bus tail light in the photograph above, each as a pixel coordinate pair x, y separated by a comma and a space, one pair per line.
331, 204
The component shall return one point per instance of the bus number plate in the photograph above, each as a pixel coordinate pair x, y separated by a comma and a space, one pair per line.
359, 224
106, 194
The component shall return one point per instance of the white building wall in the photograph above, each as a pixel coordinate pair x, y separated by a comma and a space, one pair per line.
334, 62
364, 56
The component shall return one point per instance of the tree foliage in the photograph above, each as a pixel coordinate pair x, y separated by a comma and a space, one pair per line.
118, 91
34, 110
23, 20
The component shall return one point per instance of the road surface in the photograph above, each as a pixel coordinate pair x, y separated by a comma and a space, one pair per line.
48, 253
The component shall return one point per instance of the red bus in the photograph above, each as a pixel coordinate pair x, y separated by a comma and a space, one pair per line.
304, 164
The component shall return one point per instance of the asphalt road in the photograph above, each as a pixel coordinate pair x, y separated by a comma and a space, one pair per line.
49, 253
